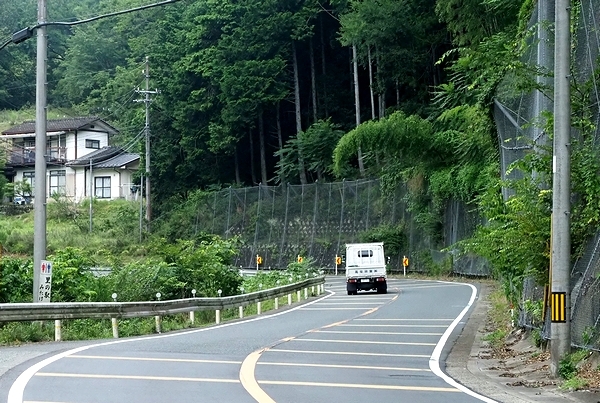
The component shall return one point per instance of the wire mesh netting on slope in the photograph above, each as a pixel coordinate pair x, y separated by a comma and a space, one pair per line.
317, 220
520, 120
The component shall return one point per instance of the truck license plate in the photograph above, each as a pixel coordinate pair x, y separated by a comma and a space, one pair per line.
364, 280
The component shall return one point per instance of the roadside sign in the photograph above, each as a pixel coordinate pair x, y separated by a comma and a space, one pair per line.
405, 261
45, 290
559, 307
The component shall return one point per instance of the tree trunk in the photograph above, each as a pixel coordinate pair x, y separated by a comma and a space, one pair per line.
371, 85
361, 165
381, 87
397, 94
298, 115
252, 173
280, 143
263, 158
238, 180
313, 81
324, 71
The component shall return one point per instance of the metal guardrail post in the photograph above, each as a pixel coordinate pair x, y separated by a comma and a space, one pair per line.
34, 312
192, 313
115, 328
57, 330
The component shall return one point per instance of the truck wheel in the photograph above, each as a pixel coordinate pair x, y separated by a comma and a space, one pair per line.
349, 292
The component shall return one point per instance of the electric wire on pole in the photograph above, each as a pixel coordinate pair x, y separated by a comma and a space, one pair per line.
147, 100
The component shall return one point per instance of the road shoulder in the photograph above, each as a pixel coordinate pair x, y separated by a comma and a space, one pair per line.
469, 363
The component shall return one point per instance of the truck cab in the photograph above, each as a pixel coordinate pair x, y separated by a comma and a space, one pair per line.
365, 268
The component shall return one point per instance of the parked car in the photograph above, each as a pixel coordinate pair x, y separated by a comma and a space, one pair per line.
22, 200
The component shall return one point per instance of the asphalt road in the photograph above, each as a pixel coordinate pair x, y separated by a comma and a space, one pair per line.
338, 348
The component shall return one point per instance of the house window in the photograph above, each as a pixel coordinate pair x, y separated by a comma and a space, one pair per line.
102, 187
58, 182
29, 177
92, 143
365, 253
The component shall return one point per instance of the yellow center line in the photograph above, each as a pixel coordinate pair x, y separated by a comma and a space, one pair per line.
288, 364
137, 377
277, 350
248, 380
396, 343
360, 386
100, 357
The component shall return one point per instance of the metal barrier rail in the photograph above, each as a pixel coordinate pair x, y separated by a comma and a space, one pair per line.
21, 312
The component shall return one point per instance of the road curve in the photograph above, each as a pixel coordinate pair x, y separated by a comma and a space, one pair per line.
367, 347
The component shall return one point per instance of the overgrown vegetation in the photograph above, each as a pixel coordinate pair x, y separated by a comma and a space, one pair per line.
134, 271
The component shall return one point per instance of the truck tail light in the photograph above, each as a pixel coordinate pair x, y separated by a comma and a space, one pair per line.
352, 280
380, 279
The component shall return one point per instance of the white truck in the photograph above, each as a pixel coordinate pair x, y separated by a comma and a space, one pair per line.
365, 268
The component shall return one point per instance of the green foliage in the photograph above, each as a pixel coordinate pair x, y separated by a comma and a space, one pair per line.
394, 238
471, 21
567, 368
204, 266
28, 332
496, 338
574, 383
295, 271
535, 309
16, 280
316, 145
72, 279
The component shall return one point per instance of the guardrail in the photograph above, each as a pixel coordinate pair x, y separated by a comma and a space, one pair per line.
22, 312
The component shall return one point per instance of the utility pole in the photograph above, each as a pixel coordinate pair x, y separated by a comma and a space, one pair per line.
39, 217
147, 102
560, 328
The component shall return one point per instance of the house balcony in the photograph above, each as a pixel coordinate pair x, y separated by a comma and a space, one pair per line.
26, 157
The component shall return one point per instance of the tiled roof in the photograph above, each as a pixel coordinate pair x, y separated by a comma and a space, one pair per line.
118, 161
57, 125
97, 156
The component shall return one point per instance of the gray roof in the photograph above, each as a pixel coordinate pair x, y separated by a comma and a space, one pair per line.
118, 161
106, 157
58, 125
97, 156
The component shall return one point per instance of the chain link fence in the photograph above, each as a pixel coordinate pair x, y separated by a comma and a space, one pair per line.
316, 220
520, 122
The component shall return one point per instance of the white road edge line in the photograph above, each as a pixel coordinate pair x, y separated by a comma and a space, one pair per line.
15, 394
434, 361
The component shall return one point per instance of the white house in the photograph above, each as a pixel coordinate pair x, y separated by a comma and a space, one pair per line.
80, 160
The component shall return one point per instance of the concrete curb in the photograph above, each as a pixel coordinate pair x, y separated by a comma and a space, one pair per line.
465, 365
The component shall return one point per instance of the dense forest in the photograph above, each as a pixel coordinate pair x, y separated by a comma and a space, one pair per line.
252, 91
293, 91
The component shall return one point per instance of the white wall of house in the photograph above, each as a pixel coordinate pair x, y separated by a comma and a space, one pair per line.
107, 184
84, 143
